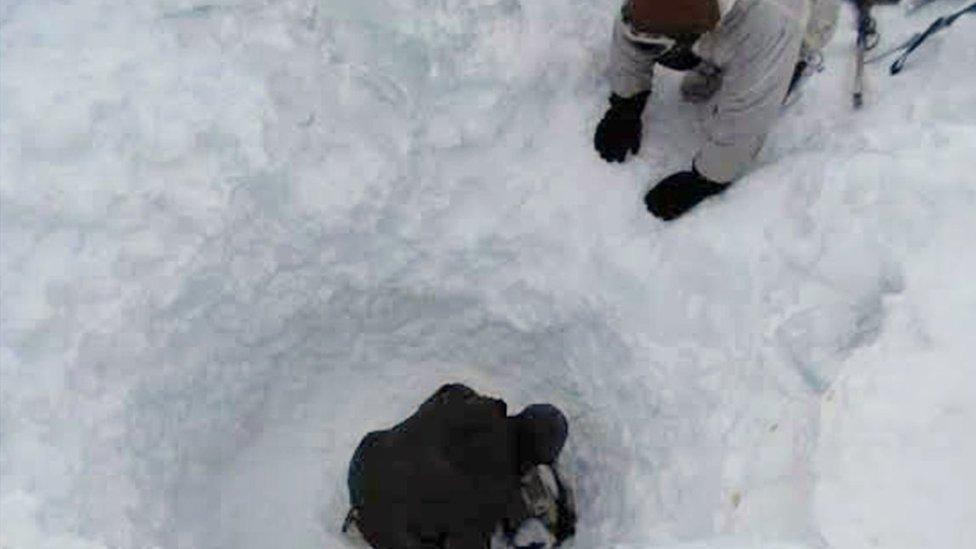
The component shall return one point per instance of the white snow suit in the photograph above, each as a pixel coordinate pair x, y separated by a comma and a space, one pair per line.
755, 46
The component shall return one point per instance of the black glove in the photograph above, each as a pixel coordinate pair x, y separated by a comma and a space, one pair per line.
680, 192
680, 58
620, 129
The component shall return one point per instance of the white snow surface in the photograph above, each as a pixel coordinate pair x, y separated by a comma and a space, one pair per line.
239, 234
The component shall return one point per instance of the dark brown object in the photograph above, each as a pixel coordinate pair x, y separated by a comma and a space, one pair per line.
676, 18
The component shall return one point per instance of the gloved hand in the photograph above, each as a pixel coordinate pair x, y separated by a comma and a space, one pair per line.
701, 84
681, 58
620, 129
680, 192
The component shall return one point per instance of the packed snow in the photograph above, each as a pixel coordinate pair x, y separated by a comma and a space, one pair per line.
239, 234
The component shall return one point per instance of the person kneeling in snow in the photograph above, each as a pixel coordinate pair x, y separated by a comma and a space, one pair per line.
460, 474
742, 57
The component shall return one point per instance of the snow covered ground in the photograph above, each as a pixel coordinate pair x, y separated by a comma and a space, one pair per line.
238, 234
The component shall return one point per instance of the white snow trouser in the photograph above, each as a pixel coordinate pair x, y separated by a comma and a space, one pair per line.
755, 46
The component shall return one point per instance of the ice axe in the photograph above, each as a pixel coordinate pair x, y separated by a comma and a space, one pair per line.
867, 39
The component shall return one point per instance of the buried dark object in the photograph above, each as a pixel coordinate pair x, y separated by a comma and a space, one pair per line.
460, 473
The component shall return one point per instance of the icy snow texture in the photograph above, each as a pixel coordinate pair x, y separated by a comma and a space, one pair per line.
237, 235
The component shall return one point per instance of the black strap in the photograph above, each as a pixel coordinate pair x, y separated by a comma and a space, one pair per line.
938, 25
566, 518
351, 518
867, 27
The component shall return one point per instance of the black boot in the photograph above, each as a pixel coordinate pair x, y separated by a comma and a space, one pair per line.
680, 192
